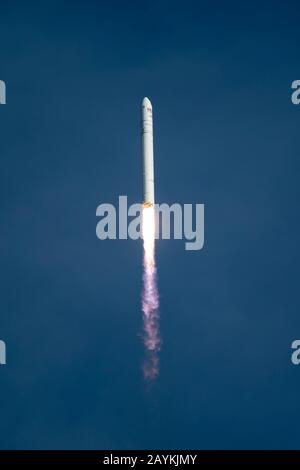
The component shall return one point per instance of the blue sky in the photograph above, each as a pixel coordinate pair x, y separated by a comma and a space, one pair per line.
226, 135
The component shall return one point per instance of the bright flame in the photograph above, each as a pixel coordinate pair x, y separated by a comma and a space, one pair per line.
150, 299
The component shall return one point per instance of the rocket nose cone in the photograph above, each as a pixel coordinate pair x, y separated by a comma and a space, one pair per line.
146, 102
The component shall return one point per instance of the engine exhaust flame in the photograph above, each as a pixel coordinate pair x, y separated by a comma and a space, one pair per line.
150, 298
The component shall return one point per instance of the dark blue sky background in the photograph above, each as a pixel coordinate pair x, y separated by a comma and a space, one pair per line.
226, 135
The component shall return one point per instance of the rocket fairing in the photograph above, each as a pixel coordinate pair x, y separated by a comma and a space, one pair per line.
147, 153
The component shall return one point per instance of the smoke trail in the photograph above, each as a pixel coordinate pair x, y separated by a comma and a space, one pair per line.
150, 298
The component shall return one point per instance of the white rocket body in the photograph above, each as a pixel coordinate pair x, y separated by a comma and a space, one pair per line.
147, 153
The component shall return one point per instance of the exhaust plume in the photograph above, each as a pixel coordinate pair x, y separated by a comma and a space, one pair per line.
150, 297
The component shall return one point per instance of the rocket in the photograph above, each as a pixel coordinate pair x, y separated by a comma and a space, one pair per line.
147, 153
